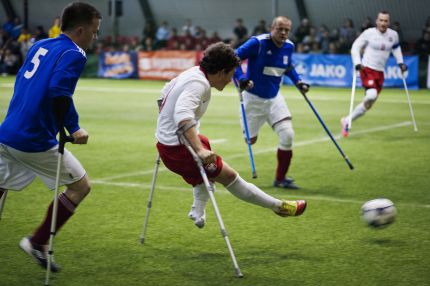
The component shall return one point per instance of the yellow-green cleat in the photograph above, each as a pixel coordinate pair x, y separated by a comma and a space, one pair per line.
291, 208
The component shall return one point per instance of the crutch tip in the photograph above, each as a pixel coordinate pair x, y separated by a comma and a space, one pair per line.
142, 240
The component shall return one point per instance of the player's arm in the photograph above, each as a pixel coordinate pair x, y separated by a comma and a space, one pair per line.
63, 83
248, 50
295, 78
356, 48
184, 116
397, 53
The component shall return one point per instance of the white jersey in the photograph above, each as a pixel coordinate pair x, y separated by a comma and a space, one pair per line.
377, 48
183, 98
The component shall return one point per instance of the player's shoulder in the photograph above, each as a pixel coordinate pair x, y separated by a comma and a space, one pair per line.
392, 32
194, 74
289, 43
262, 37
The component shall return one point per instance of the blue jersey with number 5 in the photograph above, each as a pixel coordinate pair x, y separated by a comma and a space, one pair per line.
52, 68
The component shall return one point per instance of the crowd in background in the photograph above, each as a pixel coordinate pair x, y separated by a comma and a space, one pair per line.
15, 39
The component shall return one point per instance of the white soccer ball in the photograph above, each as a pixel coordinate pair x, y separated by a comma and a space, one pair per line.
378, 213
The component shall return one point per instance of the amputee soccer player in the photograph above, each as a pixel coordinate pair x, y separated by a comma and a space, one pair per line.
269, 59
28, 144
378, 43
185, 100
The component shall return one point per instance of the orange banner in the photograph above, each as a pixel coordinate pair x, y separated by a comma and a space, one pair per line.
165, 65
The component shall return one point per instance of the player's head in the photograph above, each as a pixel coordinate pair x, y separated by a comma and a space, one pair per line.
281, 27
383, 21
81, 22
219, 63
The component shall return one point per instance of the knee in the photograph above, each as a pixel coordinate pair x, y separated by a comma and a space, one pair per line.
251, 140
370, 98
285, 133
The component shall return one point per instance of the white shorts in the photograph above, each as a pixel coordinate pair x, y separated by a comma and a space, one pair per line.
260, 110
18, 169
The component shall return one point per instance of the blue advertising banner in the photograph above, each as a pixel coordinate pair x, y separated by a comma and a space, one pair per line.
118, 65
337, 71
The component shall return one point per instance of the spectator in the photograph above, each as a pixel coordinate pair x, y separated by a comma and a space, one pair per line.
9, 63
240, 33
202, 42
55, 29
261, 28
214, 38
302, 30
148, 44
187, 41
174, 40
16, 30
310, 40
25, 41
367, 23
422, 46
324, 39
162, 35
40, 34
149, 30
347, 34
188, 26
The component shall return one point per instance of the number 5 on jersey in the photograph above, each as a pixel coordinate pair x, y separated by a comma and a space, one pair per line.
36, 61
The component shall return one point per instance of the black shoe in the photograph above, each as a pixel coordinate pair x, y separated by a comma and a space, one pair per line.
287, 183
39, 253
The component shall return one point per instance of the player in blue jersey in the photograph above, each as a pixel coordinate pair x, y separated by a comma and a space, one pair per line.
269, 59
28, 144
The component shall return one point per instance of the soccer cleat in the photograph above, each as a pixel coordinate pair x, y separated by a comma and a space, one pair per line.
291, 208
39, 253
287, 183
345, 127
198, 221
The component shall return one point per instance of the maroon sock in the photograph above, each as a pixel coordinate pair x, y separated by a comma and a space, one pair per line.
284, 160
66, 209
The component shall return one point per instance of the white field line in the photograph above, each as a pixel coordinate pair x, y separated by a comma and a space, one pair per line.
319, 97
224, 192
262, 151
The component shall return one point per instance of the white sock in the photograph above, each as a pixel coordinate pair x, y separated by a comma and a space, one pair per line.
358, 111
250, 193
201, 197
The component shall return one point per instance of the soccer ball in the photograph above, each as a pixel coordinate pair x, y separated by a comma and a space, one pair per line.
378, 213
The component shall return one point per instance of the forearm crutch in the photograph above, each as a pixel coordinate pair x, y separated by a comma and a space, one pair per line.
151, 194
328, 131
351, 106
61, 106
245, 126
209, 189
2, 202
409, 102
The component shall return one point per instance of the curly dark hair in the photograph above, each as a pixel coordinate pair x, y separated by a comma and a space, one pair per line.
219, 57
77, 14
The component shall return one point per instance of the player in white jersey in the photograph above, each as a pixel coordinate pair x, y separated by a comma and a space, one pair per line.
184, 101
377, 43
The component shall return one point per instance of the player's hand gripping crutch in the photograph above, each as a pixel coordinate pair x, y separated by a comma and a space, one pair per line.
351, 106
303, 91
2, 202
151, 194
61, 105
245, 126
409, 101
209, 189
